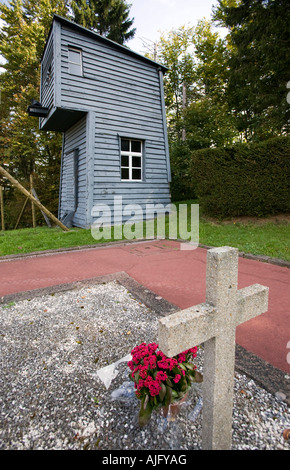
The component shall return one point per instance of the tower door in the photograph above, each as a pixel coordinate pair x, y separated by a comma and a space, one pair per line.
70, 184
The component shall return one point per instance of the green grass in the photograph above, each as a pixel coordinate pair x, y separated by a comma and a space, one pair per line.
270, 239
260, 238
28, 240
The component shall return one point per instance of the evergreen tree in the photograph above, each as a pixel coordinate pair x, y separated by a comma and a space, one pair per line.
259, 64
23, 148
110, 18
83, 14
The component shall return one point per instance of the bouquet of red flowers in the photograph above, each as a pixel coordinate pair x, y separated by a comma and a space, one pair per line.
160, 380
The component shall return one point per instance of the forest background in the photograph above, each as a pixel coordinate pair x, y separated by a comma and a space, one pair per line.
220, 92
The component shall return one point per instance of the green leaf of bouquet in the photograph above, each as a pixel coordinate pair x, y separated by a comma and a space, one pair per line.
189, 365
168, 396
183, 387
191, 373
175, 394
145, 414
162, 392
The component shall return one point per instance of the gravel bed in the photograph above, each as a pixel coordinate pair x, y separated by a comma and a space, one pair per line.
52, 398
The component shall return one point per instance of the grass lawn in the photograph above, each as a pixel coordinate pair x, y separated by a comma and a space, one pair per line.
269, 237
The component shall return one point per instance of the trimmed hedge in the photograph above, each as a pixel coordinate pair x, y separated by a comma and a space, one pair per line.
244, 180
181, 187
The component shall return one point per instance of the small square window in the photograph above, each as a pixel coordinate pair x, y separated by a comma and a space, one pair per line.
75, 66
125, 173
125, 145
136, 162
125, 160
136, 146
136, 174
74, 56
131, 160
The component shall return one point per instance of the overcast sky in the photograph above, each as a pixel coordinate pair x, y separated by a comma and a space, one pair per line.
155, 16
151, 17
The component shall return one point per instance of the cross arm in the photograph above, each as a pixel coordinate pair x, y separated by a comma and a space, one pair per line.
185, 329
252, 301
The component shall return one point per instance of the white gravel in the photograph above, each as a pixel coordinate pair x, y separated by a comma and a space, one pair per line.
51, 397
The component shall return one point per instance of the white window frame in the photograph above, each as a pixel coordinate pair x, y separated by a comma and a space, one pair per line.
130, 155
79, 64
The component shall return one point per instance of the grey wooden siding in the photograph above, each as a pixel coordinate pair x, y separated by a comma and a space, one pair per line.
47, 82
124, 94
74, 139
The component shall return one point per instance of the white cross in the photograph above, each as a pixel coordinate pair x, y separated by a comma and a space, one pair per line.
214, 324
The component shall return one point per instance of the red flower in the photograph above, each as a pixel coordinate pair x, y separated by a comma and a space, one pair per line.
161, 375
172, 363
143, 372
181, 357
177, 378
140, 384
164, 364
154, 388
146, 359
152, 347
131, 365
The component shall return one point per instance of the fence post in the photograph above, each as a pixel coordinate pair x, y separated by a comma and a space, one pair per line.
2, 208
32, 203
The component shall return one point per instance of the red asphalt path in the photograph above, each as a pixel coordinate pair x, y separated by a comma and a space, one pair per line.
176, 275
